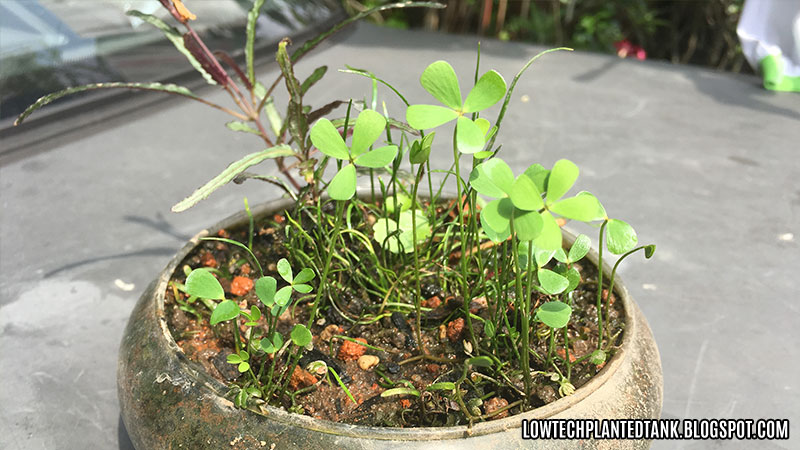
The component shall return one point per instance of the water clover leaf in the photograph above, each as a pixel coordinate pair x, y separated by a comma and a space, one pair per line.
550, 236
542, 256
495, 236
403, 200
440, 80
649, 250
492, 178
399, 236
201, 283
598, 357
539, 175
561, 179
265, 290
574, 278
285, 270
300, 335
469, 136
327, 139
525, 195
377, 158
225, 310
282, 296
302, 288
423, 117
497, 214
343, 184
552, 282
585, 208
368, 128
620, 237
527, 224
579, 248
489, 89
554, 314
304, 276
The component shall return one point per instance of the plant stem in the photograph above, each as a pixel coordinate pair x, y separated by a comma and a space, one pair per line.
328, 257
600, 287
524, 361
417, 288
463, 261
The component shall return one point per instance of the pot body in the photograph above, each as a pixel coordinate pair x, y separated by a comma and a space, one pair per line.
169, 402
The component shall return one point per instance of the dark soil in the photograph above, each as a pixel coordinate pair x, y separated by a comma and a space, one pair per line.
443, 335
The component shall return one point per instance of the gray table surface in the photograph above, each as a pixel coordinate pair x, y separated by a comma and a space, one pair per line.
703, 164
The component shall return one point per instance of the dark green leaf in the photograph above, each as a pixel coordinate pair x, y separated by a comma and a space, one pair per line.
343, 184
440, 80
230, 173
489, 89
300, 335
317, 75
552, 282
649, 250
480, 361
255, 313
400, 391
561, 179
201, 283
265, 290
620, 237
554, 314
378, 157
423, 117
369, 126
225, 310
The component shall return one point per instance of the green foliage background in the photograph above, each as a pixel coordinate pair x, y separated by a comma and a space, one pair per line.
701, 32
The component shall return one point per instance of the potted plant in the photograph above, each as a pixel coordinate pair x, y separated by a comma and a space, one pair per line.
396, 315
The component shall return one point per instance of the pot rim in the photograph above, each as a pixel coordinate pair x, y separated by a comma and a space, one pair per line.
386, 433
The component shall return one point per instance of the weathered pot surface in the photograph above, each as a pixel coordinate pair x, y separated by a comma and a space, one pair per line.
167, 401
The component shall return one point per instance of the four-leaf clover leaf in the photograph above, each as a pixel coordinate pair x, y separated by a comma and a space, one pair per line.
440, 80
368, 128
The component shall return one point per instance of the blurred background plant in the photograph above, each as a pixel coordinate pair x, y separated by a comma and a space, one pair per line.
701, 32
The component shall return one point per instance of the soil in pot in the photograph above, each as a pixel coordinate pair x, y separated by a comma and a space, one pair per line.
391, 359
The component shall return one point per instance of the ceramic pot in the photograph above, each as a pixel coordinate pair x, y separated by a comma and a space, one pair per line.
169, 402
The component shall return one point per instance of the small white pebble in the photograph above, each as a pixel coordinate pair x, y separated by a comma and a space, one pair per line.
525, 98
786, 237
127, 287
649, 287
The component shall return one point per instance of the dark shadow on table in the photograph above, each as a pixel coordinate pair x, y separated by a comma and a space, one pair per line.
123, 438
159, 223
156, 251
